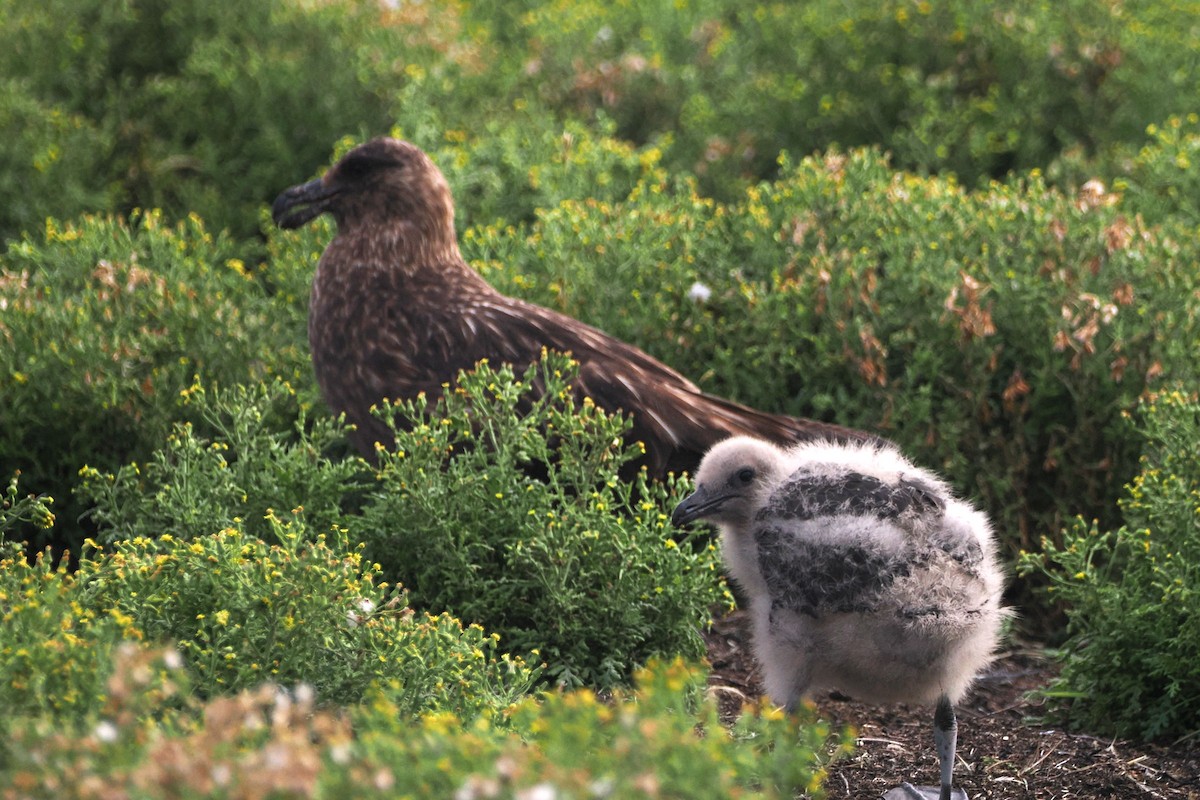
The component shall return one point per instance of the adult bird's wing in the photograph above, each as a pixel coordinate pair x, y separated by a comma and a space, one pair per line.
677, 422
429, 326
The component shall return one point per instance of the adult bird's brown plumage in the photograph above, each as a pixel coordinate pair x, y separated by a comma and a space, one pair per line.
395, 310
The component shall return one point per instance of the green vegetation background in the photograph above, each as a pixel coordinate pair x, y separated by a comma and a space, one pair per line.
969, 227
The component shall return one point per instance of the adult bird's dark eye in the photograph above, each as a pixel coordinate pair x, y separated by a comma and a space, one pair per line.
746, 475
354, 168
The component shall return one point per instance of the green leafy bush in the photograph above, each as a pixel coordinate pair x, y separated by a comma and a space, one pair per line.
1131, 666
663, 739
14, 509
505, 172
997, 333
502, 509
306, 609
241, 612
577, 565
976, 89
55, 649
214, 107
246, 451
200, 107
52, 161
1161, 180
104, 323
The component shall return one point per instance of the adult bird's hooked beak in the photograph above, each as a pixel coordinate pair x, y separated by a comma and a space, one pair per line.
701, 503
309, 200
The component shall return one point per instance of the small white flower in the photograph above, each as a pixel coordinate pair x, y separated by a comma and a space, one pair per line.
304, 694
276, 756
172, 659
477, 787
506, 767
106, 732
340, 753
543, 791
602, 787
383, 779
222, 774
355, 618
699, 293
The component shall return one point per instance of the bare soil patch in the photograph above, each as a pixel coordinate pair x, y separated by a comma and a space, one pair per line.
1003, 754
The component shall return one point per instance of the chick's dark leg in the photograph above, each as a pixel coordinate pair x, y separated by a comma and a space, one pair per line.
945, 736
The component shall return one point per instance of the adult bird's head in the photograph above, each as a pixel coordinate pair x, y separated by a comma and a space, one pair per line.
380, 184
733, 480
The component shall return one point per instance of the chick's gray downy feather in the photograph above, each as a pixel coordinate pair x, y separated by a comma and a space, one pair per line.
863, 573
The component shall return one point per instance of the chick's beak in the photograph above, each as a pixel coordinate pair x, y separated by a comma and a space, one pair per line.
697, 505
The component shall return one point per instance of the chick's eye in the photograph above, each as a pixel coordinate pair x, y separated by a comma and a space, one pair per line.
745, 475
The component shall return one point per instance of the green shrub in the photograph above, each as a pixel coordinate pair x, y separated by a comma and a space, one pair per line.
202, 107
51, 162
502, 510
35, 509
576, 565
1161, 181
1131, 666
55, 650
661, 740
997, 334
241, 612
214, 107
504, 173
976, 89
245, 451
104, 323
305, 609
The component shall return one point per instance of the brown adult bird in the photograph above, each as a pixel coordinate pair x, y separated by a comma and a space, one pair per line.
395, 311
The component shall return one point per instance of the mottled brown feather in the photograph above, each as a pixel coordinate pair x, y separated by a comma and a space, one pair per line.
395, 311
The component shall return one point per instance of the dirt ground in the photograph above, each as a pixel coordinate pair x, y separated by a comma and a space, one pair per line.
1002, 754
